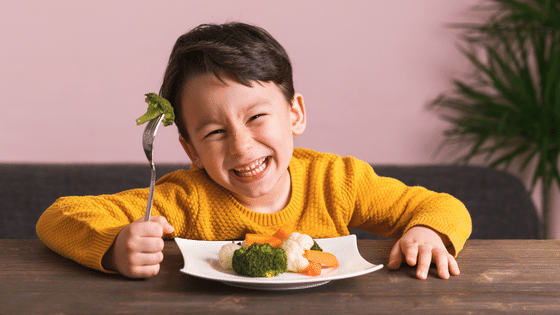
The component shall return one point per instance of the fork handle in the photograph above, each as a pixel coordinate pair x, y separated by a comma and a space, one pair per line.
151, 194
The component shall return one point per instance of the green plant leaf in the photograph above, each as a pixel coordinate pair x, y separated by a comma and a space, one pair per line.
551, 77
509, 108
528, 159
508, 158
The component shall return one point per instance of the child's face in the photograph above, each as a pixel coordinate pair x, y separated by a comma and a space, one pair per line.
242, 136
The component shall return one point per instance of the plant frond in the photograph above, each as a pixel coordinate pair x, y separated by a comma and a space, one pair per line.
508, 108
528, 159
508, 157
551, 77
554, 169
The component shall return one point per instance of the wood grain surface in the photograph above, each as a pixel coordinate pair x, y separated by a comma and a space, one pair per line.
497, 277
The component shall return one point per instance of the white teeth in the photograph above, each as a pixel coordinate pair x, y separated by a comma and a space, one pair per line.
252, 169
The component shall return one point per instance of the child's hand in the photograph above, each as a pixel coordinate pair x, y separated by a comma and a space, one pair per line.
421, 246
137, 250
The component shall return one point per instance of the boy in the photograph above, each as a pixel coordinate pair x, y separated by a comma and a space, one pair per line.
237, 112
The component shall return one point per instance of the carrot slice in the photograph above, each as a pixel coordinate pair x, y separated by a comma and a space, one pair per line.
322, 258
282, 233
251, 238
313, 269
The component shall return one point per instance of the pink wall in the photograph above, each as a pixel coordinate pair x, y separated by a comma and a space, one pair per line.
73, 73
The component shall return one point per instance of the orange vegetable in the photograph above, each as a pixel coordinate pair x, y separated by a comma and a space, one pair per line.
282, 233
313, 269
322, 258
251, 238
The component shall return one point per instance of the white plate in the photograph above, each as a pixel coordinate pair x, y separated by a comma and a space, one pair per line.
201, 260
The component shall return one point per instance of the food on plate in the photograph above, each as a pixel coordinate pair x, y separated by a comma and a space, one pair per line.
157, 105
322, 258
226, 255
259, 260
313, 269
295, 246
281, 233
316, 246
270, 255
251, 238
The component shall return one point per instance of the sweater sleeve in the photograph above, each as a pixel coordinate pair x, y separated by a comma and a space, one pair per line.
83, 228
388, 207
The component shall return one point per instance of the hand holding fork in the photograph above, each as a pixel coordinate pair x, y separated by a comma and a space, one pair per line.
137, 249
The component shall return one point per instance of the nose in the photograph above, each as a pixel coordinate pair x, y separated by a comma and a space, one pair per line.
240, 142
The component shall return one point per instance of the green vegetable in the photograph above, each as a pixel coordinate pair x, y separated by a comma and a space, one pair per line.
316, 246
260, 260
157, 105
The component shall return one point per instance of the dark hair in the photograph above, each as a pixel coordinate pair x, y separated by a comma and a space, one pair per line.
241, 52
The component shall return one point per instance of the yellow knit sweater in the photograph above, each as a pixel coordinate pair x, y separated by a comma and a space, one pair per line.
330, 196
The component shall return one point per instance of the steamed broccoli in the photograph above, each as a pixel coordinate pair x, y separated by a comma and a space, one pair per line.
157, 105
259, 260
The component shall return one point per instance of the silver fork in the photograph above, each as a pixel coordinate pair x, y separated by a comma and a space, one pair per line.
148, 144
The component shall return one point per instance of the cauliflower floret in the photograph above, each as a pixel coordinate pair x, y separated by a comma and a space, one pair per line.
296, 263
295, 245
226, 254
305, 241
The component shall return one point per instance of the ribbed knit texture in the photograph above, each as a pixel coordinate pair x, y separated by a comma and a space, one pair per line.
330, 196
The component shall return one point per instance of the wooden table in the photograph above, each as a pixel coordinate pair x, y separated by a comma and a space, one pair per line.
498, 276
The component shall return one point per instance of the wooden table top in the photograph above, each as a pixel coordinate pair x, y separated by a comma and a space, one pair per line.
497, 276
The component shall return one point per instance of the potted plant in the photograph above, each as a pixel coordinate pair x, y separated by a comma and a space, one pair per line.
509, 109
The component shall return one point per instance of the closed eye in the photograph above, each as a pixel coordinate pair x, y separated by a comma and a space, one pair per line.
214, 132
255, 117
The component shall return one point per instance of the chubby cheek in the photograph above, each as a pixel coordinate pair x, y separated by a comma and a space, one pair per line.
215, 157
282, 146
206, 157
217, 173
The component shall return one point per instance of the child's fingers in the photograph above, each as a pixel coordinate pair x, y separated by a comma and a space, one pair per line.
137, 250
453, 265
441, 258
410, 251
424, 261
153, 228
420, 246
162, 221
146, 259
144, 229
142, 272
159, 220
150, 245
141, 257
395, 257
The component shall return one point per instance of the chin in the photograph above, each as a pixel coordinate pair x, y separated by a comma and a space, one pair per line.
252, 193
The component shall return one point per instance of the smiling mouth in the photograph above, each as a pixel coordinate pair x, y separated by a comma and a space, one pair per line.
252, 170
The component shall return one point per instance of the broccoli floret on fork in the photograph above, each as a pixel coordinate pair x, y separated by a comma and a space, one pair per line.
157, 105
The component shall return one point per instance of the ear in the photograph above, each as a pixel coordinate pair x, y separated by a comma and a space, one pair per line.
297, 112
191, 152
